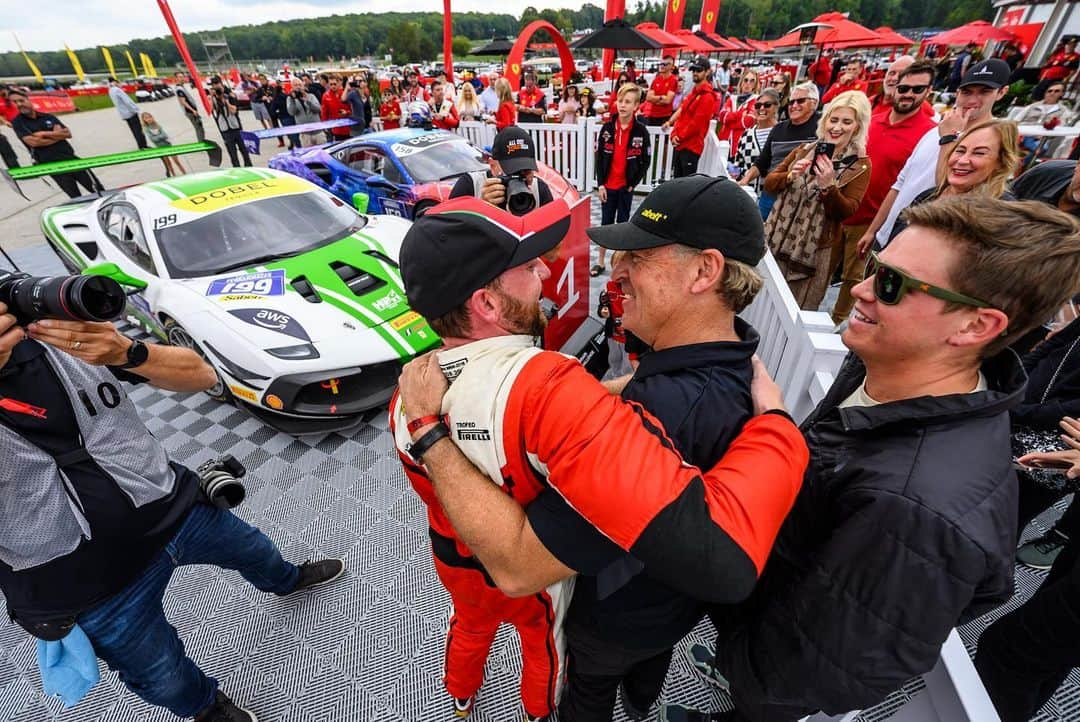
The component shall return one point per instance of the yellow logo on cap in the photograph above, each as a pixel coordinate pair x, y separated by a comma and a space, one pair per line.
652, 215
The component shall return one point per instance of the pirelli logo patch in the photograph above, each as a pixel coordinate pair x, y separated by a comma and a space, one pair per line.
468, 431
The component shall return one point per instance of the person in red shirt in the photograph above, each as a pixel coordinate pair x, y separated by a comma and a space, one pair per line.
532, 104
892, 137
413, 92
883, 101
8, 113
622, 158
631, 70
737, 112
1062, 64
390, 110
444, 114
661, 93
690, 122
506, 114
850, 79
820, 71
334, 107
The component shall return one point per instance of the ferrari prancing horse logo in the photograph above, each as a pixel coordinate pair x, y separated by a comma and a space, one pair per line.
675, 6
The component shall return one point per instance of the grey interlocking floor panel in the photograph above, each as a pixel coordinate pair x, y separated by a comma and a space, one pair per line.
369, 647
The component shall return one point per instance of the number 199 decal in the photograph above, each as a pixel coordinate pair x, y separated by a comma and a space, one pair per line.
267, 283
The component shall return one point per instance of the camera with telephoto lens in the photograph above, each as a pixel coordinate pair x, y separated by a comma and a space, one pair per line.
519, 199
66, 298
220, 481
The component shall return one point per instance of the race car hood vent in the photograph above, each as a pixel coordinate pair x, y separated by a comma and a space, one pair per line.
307, 291
359, 282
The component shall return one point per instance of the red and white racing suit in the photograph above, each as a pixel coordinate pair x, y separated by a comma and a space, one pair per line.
532, 419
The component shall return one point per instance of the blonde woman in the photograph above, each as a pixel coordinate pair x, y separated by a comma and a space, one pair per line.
506, 115
817, 186
468, 103
983, 160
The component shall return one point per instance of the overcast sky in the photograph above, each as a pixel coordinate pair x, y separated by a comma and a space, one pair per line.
96, 22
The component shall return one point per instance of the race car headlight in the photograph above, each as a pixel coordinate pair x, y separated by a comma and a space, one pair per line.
300, 352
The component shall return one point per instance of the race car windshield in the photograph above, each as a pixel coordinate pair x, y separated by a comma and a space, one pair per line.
440, 160
255, 232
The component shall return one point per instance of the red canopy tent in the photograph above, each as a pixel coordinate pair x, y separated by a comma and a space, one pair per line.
693, 43
762, 46
726, 46
979, 32
655, 32
889, 38
836, 29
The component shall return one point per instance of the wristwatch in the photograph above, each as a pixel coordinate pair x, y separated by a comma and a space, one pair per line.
946, 139
422, 445
137, 354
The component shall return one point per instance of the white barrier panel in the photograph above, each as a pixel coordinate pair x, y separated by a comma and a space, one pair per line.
477, 132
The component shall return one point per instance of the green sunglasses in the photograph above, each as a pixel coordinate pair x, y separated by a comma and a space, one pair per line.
890, 285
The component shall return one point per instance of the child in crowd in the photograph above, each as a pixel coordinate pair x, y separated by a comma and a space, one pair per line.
622, 157
160, 139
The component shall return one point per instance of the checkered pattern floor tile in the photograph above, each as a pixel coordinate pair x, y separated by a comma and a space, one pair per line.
367, 648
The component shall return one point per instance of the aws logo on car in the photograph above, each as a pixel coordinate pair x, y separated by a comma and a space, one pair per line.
273, 321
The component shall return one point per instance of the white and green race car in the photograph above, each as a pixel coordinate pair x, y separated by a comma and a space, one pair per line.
293, 297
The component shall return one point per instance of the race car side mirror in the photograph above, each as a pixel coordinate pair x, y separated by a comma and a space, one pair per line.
111, 270
360, 202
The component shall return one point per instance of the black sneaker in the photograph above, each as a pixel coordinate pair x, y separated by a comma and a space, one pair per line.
316, 574
224, 710
702, 661
1040, 553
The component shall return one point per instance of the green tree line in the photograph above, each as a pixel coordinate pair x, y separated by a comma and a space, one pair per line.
412, 37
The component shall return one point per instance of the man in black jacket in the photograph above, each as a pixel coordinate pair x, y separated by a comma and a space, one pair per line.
906, 522
622, 158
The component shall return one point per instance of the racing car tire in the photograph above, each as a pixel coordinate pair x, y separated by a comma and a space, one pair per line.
422, 207
178, 336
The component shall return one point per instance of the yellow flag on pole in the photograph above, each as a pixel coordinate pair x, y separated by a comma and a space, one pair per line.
148, 67
109, 61
75, 64
131, 62
33, 68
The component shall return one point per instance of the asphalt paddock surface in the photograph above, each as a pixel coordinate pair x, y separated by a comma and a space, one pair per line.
369, 646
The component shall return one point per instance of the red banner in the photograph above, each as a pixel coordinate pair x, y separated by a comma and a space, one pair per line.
568, 285
616, 9
181, 45
710, 13
674, 17
55, 102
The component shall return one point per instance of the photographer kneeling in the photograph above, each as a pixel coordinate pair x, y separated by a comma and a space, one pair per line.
94, 517
512, 183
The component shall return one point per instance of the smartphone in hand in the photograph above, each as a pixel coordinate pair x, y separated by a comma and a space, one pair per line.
825, 149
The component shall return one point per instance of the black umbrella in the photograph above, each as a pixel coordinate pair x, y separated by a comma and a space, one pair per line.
618, 35
498, 46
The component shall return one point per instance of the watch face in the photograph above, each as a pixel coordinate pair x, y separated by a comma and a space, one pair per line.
137, 354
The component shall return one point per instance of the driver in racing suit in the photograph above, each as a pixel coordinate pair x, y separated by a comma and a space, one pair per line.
529, 419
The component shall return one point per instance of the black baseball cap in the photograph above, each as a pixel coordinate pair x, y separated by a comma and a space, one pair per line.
515, 149
993, 73
699, 62
698, 211
464, 244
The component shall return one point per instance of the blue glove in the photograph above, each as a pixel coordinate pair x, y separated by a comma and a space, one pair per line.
69, 667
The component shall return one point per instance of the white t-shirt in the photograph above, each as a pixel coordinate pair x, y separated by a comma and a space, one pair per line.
860, 398
917, 175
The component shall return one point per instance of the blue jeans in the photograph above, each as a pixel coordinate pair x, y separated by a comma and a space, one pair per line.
131, 634
765, 203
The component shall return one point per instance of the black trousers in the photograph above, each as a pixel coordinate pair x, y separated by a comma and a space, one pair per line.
656, 122
1025, 656
70, 182
594, 670
684, 163
616, 209
7, 153
136, 130
234, 144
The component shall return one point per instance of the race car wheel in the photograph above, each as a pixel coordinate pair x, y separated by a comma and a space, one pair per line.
422, 207
178, 336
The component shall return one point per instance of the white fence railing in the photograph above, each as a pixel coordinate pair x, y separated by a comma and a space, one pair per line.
570, 149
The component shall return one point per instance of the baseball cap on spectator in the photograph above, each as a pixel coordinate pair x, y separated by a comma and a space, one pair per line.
699, 62
464, 244
993, 73
514, 149
698, 211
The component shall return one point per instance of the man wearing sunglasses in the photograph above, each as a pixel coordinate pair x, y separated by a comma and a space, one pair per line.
893, 135
906, 523
661, 94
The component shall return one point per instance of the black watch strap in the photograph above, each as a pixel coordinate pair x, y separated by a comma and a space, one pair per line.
421, 446
137, 354
946, 139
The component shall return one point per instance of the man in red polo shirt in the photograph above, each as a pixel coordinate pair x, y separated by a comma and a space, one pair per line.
334, 107
8, 113
690, 122
1062, 64
661, 94
820, 72
850, 79
532, 105
892, 138
443, 112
